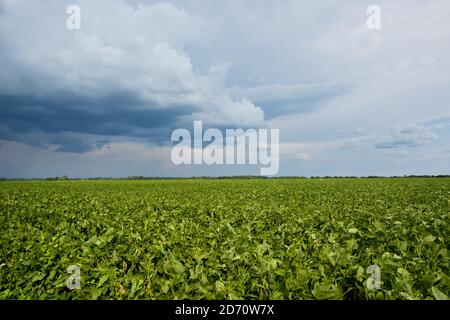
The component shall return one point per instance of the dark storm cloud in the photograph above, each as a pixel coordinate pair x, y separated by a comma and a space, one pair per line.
120, 114
125, 76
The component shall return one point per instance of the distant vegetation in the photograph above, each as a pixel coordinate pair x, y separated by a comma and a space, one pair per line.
224, 177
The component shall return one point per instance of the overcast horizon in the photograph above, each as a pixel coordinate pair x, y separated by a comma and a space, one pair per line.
103, 100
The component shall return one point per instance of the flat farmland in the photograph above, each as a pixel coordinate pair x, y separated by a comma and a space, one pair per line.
225, 239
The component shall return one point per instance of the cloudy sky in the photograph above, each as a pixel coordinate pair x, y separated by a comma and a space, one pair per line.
104, 99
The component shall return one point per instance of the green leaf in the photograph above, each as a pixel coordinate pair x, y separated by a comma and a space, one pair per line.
103, 279
360, 274
177, 266
326, 291
219, 286
95, 293
438, 294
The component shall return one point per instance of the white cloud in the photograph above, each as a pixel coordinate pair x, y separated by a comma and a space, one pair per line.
119, 48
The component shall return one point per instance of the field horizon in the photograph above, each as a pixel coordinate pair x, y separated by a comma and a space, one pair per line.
237, 177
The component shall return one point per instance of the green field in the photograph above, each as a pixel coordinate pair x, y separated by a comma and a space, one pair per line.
226, 239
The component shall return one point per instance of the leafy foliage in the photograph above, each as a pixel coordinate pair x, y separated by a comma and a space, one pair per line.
225, 239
